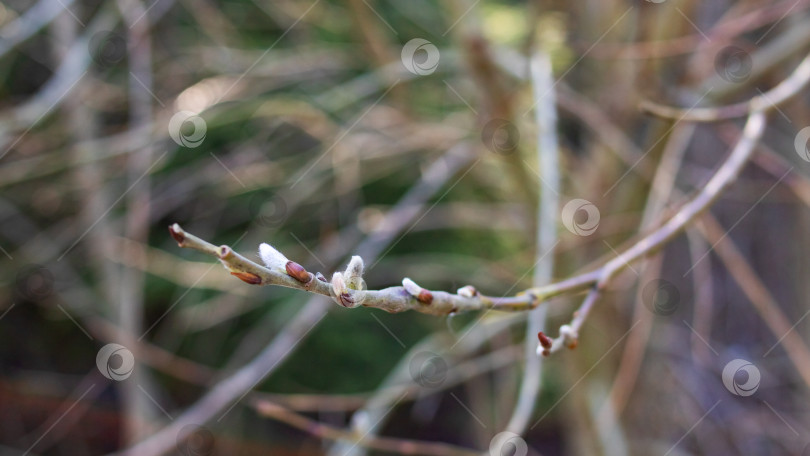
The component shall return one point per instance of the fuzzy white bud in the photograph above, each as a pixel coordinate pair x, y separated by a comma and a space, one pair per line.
354, 273
422, 295
271, 257
411, 287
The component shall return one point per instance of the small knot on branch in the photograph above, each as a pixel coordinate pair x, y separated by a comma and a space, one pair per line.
570, 337
468, 291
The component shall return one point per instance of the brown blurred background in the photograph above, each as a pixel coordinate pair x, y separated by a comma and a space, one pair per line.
323, 128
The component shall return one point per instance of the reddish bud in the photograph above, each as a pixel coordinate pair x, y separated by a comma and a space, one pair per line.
545, 341
297, 272
248, 277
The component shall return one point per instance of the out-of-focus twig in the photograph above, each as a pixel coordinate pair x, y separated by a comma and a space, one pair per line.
765, 304
30, 22
774, 97
549, 163
387, 444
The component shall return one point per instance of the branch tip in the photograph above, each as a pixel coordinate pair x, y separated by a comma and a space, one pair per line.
177, 233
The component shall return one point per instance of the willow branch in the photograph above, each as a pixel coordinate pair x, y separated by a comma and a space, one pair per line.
392, 299
548, 161
410, 296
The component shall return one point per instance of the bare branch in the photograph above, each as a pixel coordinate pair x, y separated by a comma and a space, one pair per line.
774, 97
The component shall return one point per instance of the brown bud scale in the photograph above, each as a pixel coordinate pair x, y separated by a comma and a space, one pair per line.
297, 272
425, 297
346, 300
248, 277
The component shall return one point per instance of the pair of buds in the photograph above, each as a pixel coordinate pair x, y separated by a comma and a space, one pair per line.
343, 284
274, 259
567, 334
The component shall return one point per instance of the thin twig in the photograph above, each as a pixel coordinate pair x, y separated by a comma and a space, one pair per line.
774, 97
549, 163
387, 444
